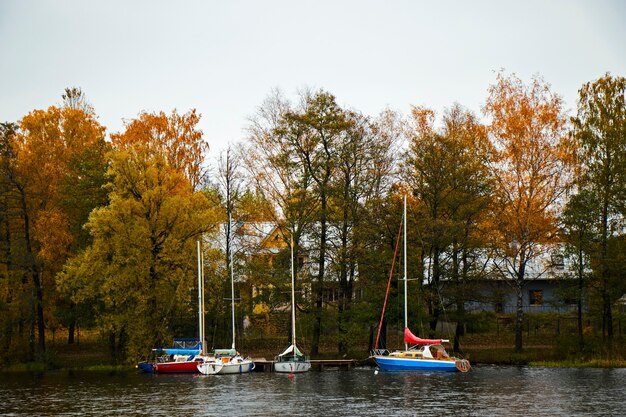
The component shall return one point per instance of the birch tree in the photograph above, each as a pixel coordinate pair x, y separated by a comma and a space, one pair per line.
532, 170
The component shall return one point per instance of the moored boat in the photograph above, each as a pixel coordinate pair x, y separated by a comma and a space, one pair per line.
185, 354
292, 360
424, 354
181, 357
227, 361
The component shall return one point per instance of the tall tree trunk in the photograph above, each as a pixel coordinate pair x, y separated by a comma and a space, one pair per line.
37, 282
8, 326
519, 315
317, 325
435, 300
342, 346
71, 331
41, 328
579, 298
607, 316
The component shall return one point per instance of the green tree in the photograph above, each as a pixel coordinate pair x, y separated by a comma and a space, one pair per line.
140, 267
600, 130
139, 270
447, 170
312, 133
579, 221
363, 155
468, 203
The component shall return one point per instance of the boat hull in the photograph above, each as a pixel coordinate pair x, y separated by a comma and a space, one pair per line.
146, 367
292, 367
395, 364
210, 368
187, 367
242, 367
219, 367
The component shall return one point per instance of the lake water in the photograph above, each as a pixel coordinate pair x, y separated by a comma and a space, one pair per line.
485, 391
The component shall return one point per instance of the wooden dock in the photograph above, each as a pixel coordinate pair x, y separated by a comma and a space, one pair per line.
263, 365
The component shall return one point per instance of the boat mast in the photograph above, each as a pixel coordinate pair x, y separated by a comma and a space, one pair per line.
406, 346
232, 276
200, 302
293, 302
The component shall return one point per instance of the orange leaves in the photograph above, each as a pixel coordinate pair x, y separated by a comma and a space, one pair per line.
52, 228
49, 142
176, 137
423, 118
535, 155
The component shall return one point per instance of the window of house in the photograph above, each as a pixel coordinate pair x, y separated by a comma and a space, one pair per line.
535, 297
557, 261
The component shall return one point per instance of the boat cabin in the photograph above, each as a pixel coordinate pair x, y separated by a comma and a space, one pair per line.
424, 352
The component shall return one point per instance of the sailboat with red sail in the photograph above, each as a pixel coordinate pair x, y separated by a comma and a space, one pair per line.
418, 354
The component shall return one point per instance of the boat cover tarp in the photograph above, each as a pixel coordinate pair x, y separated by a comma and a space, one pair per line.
290, 350
225, 352
179, 351
411, 338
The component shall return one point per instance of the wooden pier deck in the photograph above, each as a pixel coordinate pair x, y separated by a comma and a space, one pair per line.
263, 365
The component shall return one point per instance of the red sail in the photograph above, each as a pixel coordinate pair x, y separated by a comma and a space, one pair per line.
412, 339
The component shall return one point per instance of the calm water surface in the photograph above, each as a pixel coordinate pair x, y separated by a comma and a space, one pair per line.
495, 391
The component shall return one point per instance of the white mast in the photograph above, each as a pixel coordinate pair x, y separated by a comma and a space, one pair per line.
293, 302
200, 301
232, 277
406, 346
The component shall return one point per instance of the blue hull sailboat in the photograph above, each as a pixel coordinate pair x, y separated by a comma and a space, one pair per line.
424, 354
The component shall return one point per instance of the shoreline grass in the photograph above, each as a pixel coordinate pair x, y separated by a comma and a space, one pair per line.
90, 354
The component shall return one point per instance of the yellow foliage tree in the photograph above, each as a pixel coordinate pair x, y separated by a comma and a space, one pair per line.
532, 169
140, 269
38, 162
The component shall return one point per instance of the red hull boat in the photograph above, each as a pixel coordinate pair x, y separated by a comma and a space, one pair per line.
188, 366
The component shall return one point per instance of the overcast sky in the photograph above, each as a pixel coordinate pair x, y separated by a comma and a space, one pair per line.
223, 57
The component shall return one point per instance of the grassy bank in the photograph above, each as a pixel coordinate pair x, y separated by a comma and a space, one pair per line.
91, 355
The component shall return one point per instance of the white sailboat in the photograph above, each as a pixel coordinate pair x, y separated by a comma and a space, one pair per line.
227, 361
292, 360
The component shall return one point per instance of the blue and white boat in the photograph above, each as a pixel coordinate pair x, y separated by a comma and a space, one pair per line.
424, 354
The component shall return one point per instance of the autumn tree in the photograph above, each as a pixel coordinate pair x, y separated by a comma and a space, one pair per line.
177, 134
139, 271
532, 163
12, 280
447, 171
363, 165
313, 132
49, 153
275, 171
600, 131
277, 177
